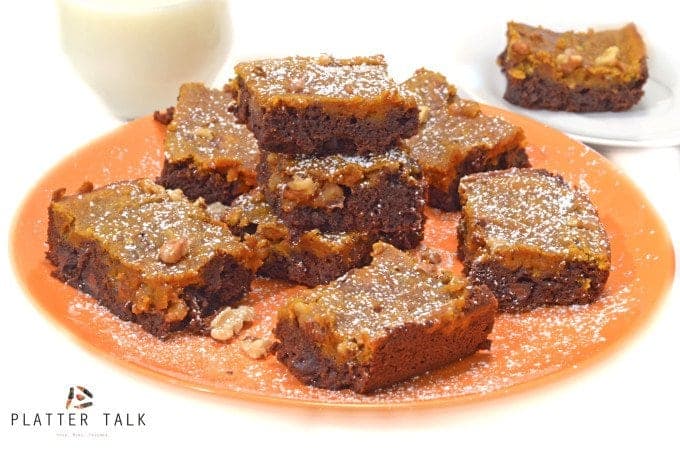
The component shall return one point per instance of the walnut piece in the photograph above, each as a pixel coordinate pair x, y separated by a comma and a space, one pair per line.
256, 348
331, 196
324, 60
176, 195
517, 73
149, 187
300, 188
520, 47
423, 114
173, 251
569, 60
229, 322
295, 85
217, 210
204, 132
608, 57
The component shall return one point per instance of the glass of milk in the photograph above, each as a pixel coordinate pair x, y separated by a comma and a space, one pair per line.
135, 53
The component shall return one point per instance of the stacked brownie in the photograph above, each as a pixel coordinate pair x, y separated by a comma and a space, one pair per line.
332, 166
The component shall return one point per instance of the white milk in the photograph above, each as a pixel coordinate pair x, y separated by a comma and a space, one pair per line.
136, 53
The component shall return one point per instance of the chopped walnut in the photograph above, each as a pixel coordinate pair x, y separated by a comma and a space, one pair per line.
518, 73
324, 60
232, 216
272, 231
149, 187
176, 195
200, 203
349, 89
177, 310
229, 322
173, 251
217, 211
204, 132
295, 85
300, 188
608, 57
569, 60
347, 348
331, 196
232, 174
520, 47
423, 114
256, 348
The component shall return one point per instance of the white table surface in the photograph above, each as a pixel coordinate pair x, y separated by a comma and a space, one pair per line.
630, 399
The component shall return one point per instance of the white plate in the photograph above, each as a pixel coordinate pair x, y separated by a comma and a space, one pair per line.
655, 121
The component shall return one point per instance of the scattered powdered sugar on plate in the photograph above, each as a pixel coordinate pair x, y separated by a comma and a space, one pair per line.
525, 346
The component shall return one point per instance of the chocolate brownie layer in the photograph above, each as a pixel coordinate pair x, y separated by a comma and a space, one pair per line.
382, 324
207, 154
309, 257
322, 105
519, 289
147, 254
456, 138
196, 182
537, 92
532, 239
381, 193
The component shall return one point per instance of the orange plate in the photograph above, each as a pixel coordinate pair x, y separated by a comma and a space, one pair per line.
528, 349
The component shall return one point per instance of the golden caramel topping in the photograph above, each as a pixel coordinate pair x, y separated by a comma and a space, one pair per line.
368, 303
135, 220
592, 58
525, 212
205, 132
298, 81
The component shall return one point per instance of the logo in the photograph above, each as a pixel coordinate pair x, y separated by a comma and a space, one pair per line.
81, 398
82, 419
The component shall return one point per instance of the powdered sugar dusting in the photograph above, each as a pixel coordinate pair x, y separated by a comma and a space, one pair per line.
525, 346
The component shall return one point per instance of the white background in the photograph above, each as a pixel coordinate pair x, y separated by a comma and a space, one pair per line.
630, 400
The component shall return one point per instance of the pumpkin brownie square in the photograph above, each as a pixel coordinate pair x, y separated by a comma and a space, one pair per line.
148, 254
381, 324
457, 139
324, 105
308, 257
571, 71
207, 154
382, 193
532, 239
